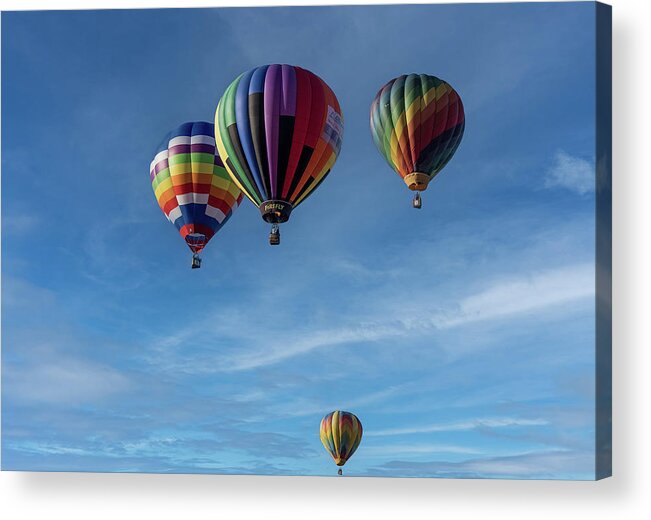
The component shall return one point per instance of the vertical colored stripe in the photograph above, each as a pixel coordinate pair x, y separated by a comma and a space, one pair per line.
272, 98
303, 107
244, 128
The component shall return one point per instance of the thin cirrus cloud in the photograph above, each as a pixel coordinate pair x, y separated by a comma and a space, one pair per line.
533, 464
525, 293
304, 407
418, 449
502, 299
18, 224
572, 173
65, 381
508, 297
474, 424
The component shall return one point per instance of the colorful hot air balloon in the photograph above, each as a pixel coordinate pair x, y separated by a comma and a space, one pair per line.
279, 130
341, 433
192, 186
417, 123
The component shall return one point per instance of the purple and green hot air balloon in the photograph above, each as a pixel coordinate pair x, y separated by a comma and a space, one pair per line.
278, 129
417, 122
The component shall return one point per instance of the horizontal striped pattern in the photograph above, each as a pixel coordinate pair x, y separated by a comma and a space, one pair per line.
191, 185
341, 433
279, 130
417, 122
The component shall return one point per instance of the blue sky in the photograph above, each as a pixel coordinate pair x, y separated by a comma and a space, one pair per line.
462, 334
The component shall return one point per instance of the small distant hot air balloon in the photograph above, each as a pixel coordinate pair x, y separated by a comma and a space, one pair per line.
279, 130
417, 123
341, 433
192, 186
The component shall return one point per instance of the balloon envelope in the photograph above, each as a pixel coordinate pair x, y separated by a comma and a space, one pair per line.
279, 130
417, 122
191, 185
341, 433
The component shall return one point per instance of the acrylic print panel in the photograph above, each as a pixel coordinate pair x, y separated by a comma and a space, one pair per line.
467, 337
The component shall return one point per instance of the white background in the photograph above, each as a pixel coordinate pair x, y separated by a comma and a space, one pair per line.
627, 495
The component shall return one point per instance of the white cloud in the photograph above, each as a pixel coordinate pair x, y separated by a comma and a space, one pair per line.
308, 342
65, 381
19, 224
17, 292
417, 449
517, 295
48, 448
552, 462
302, 407
474, 424
572, 173
533, 464
504, 298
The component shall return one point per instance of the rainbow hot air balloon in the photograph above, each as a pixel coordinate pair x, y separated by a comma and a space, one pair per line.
279, 130
192, 186
341, 433
417, 123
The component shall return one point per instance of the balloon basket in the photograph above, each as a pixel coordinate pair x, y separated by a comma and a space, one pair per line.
196, 261
274, 236
340, 472
417, 202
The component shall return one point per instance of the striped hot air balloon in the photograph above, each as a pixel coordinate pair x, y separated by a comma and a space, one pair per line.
417, 123
191, 185
279, 130
341, 433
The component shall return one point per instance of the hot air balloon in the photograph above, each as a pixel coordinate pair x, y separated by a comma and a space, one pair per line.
278, 129
341, 433
191, 185
417, 123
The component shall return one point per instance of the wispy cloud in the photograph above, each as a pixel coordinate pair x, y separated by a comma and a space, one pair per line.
396, 450
101, 264
304, 407
474, 424
49, 448
19, 224
504, 298
572, 173
177, 448
64, 380
553, 463
308, 342
517, 295
20, 293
